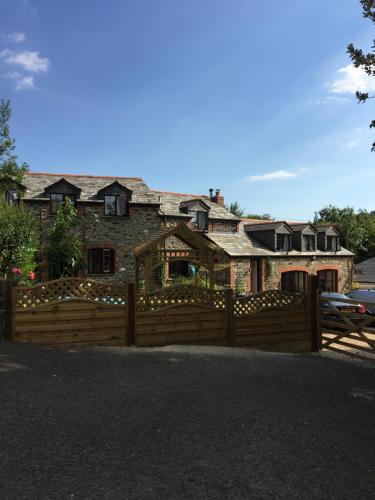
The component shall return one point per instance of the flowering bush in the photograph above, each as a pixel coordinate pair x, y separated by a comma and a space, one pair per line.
24, 278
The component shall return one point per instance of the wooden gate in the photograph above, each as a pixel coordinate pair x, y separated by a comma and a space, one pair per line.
71, 310
347, 332
274, 320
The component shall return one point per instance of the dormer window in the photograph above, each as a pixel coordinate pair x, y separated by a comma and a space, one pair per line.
309, 243
11, 190
328, 239
56, 199
198, 210
12, 197
283, 243
59, 191
116, 199
115, 205
199, 220
333, 244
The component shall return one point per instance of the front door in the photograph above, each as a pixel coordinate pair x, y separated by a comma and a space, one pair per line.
255, 273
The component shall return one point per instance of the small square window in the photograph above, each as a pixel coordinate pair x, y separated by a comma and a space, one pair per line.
284, 242
110, 205
309, 243
12, 197
55, 199
101, 261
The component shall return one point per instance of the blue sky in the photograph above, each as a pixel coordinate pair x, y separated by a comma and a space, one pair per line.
252, 97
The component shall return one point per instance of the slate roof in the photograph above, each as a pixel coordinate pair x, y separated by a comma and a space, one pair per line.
170, 205
36, 183
242, 245
300, 226
365, 271
265, 226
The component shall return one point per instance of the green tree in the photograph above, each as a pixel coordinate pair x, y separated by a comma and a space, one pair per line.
64, 249
235, 209
260, 217
18, 239
357, 229
9, 168
365, 61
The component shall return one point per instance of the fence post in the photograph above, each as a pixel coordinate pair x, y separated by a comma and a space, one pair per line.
314, 310
131, 305
6, 317
229, 317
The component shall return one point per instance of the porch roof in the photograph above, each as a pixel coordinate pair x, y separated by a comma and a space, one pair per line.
183, 233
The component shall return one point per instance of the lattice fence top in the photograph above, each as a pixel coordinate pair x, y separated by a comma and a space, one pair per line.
180, 295
53, 292
269, 300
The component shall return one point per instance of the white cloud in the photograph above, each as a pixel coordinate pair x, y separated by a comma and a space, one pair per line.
331, 99
352, 144
26, 82
29, 60
271, 176
351, 79
30, 6
15, 37
22, 82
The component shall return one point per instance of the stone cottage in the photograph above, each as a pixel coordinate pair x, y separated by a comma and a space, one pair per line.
119, 213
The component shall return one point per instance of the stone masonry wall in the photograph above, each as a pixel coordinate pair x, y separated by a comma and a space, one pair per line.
344, 266
241, 269
223, 226
100, 231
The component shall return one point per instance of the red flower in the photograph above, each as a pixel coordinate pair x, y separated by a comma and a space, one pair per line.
31, 275
17, 271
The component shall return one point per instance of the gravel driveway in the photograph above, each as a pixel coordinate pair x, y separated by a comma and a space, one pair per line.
184, 423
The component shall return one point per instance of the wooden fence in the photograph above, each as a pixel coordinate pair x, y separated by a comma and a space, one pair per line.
346, 332
84, 311
68, 311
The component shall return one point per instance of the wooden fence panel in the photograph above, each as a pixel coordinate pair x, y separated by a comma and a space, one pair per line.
287, 331
71, 322
70, 311
273, 320
83, 311
181, 324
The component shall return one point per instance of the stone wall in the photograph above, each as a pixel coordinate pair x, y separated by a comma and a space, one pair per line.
223, 226
240, 275
101, 231
344, 266
241, 271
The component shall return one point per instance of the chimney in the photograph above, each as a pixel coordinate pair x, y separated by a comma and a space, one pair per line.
218, 198
211, 191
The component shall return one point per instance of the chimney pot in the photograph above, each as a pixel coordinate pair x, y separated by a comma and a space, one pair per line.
218, 198
211, 191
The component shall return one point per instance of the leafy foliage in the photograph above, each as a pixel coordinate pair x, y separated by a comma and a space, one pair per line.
260, 217
366, 61
64, 250
235, 209
9, 168
357, 229
18, 239
238, 211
